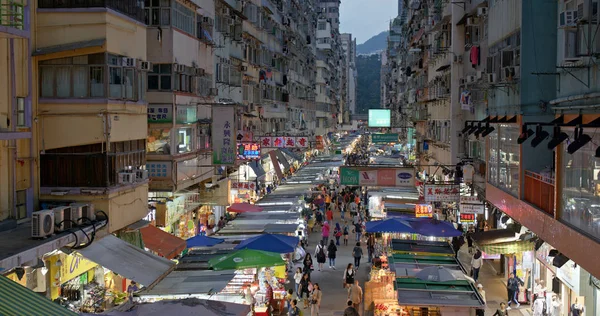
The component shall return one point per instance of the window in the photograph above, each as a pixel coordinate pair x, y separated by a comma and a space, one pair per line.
84, 77
21, 119
157, 12
185, 140
504, 158
183, 18
580, 184
204, 137
160, 77
159, 140
322, 26
223, 73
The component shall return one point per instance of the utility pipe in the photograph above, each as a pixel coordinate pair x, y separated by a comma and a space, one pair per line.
13, 126
577, 97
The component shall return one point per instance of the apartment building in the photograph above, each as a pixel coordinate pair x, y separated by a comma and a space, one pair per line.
509, 87
349, 49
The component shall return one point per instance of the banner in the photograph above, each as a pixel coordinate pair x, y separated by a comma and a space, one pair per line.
442, 193
290, 142
471, 205
320, 143
383, 177
423, 210
244, 185
302, 142
223, 136
266, 141
384, 138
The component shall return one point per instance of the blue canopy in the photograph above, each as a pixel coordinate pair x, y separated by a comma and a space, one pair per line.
270, 242
390, 225
434, 228
202, 241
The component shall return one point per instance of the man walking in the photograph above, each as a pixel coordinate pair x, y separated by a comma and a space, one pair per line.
355, 294
350, 310
357, 253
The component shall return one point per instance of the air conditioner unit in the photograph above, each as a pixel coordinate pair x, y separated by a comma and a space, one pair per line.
243, 68
141, 174
492, 78
42, 223
482, 11
479, 74
175, 67
76, 214
214, 91
458, 59
200, 72
87, 211
225, 11
472, 21
567, 18
145, 65
63, 218
471, 79
126, 177
128, 62
515, 71
207, 20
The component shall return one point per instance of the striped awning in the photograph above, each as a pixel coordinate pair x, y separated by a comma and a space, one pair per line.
507, 247
16, 299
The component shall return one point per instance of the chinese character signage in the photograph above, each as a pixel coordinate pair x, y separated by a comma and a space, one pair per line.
283, 142
245, 136
160, 113
266, 141
278, 142
243, 185
442, 193
471, 205
423, 210
320, 143
290, 142
247, 151
159, 169
302, 142
383, 177
223, 135
467, 218
384, 138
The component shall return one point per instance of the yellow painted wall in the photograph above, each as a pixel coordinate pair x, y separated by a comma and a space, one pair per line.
71, 266
22, 167
123, 208
128, 127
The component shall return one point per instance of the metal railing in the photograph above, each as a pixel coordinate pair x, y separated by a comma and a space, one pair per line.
131, 8
539, 191
12, 13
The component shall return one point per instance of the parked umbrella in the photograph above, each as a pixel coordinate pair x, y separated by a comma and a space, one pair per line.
270, 242
202, 241
436, 274
390, 225
244, 259
244, 208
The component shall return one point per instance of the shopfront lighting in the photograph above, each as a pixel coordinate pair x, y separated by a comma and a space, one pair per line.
525, 134
581, 140
540, 136
557, 138
467, 127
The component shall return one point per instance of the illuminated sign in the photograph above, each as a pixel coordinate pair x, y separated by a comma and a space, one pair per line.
248, 151
467, 218
423, 210
380, 118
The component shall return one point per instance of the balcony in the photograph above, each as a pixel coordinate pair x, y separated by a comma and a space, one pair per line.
12, 18
131, 8
539, 191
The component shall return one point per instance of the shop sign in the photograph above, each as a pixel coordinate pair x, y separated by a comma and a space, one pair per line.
441, 193
471, 205
244, 185
159, 169
266, 142
290, 142
385, 177
467, 218
319, 142
302, 142
223, 142
569, 274
423, 210
72, 266
186, 114
278, 142
245, 136
384, 138
248, 151
348, 176
160, 113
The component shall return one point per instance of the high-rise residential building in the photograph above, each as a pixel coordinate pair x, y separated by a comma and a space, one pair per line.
349, 48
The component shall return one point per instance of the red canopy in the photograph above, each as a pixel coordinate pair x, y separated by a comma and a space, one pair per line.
244, 207
161, 242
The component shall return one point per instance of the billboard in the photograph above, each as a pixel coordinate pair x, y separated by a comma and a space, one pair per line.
384, 138
382, 177
380, 117
223, 136
248, 151
283, 142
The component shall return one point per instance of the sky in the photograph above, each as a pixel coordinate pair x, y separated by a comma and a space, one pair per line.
366, 18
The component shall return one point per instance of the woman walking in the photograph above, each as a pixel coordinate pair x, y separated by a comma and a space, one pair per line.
320, 255
346, 234
297, 279
315, 299
476, 263
349, 275
308, 263
357, 253
337, 232
304, 289
325, 232
331, 251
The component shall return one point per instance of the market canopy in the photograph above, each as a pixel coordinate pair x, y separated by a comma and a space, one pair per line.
244, 207
459, 293
202, 241
127, 260
189, 282
500, 241
390, 225
183, 307
270, 242
19, 300
246, 258
434, 228
433, 248
161, 242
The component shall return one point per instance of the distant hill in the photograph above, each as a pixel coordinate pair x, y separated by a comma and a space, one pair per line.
374, 44
368, 90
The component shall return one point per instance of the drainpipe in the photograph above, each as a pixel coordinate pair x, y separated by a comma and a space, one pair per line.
572, 98
13, 125
29, 115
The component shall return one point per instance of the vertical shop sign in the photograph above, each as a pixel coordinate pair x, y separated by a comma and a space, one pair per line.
223, 126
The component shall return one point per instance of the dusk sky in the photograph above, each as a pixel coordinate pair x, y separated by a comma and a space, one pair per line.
365, 19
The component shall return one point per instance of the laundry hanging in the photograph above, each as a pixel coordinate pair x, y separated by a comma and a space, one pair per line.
474, 56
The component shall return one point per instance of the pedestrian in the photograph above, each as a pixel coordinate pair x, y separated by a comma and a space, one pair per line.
288, 298
481, 291
315, 299
319, 217
269, 299
294, 310
325, 232
297, 279
331, 252
350, 310
320, 255
304, 289
346, 233
357, 253
502, 311
370, 246
355, 294
512, 288
221, 222
555, 305
342, 210
349, 275
132, 288
329, 215
476, 262
337, 233
470, 240
358, 230
308, 264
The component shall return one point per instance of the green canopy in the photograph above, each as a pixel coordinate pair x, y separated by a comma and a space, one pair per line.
19, 300
246, 258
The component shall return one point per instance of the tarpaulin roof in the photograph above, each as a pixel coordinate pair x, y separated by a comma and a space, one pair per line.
202, 241
161, 242
390, 225
271, 243
184, 307
244, 207
19, 300
434, 228
422, 247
